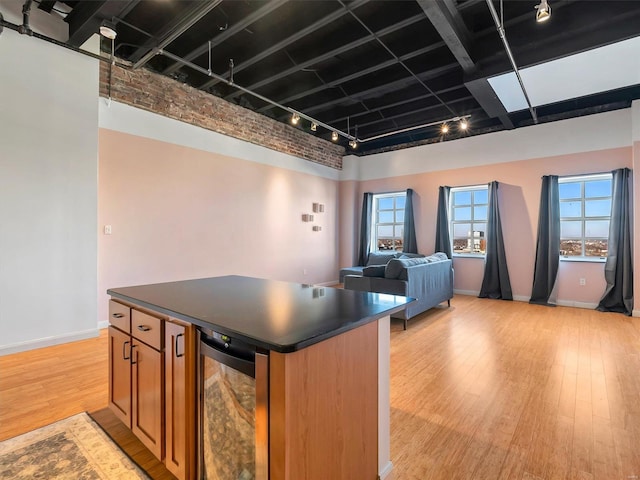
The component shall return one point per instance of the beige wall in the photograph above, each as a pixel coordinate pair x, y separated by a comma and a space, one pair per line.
179, 212
519, 201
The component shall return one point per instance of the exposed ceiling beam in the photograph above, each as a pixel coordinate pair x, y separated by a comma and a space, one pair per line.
228, 33
320, 58
489, 101
193, 13
381, 89
449, 24
323, 22
355, 75
86, 17
47, 5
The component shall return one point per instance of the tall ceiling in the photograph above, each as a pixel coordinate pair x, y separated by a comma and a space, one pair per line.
380, 66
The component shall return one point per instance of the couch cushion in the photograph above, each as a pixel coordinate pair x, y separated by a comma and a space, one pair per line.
379, 258
410, 255
437, 257
373, 271
397, 268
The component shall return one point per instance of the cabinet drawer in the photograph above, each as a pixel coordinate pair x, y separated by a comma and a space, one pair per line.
120, 316
147, 329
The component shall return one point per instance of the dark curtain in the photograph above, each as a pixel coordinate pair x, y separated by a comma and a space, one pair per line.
495, 283
548, 244
618, 269
409, 243
365, 229
443, 238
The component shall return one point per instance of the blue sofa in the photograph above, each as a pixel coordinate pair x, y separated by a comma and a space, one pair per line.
374, 259
428, 279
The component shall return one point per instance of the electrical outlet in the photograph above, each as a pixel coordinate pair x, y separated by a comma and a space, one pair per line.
107, 229
583, 282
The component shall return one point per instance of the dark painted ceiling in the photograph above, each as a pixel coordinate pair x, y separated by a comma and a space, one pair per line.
382, 66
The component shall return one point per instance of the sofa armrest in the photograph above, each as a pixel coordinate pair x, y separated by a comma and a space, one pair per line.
354, 282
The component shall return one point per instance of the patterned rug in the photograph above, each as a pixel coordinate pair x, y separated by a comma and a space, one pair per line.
73, 448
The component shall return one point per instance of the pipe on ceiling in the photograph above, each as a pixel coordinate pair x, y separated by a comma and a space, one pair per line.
25, 28
503, 36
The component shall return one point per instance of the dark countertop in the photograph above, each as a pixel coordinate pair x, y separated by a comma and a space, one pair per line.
273, 315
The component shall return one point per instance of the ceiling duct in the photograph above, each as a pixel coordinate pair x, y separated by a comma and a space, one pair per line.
25, 28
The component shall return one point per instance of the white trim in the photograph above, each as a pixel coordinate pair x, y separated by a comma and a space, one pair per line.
473, 293
585, 178
142, 123
635, 312
521, 298
48, 341
384, 395
103, 324
571, 303
386, 471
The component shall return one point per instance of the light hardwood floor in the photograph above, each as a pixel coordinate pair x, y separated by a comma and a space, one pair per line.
485, 389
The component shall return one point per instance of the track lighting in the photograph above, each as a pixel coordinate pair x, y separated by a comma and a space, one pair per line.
334, 136
464, 124
295, 118
353, 144
543, 11
444, 128
314, 126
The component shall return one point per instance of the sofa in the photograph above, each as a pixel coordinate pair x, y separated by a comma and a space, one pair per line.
375, 259
427, 279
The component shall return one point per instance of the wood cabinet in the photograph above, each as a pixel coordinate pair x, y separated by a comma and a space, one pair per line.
180, 406
152, 383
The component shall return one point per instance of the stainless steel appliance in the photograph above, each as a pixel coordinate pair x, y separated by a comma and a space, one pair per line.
233, 410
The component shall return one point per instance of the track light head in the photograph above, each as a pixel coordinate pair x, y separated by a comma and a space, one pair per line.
314, 126
464, 124
108, 30
353, 144
334, 136
295, 118
543, 11
444, 128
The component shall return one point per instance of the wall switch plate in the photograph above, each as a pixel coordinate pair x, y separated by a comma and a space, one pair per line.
583, 281
107, 229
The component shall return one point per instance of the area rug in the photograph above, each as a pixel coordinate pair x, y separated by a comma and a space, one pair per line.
73, 448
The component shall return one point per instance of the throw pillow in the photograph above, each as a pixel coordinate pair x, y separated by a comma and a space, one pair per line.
373, 271
379, 258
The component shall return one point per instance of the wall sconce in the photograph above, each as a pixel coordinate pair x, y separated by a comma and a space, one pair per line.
318, 207
317, 228
307, 217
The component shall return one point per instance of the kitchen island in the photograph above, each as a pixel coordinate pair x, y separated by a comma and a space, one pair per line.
320, 363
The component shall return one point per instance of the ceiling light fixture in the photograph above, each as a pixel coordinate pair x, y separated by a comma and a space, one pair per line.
353, 144
464, 124
295, 118
543, 11
444, 128
107, 30
314, 126
334, 136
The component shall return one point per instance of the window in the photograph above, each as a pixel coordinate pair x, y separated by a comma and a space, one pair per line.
468, 219
585, 211
388, 221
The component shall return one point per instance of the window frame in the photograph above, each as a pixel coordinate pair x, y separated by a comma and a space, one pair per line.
582, 180
472, 221
373, 245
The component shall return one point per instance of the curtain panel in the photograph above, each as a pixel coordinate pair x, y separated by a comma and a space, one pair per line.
548, 244
618, 269
495, 282
365, 229
443, 238
409, 243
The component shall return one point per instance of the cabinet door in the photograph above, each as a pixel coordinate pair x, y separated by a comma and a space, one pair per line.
148, 396
180, 399
120, 375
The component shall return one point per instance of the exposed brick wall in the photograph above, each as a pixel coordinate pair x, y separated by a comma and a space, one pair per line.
165, 96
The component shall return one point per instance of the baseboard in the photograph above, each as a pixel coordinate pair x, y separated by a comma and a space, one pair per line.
103, 324
386, 473
570, 303
467, 292
635, 313
48, 341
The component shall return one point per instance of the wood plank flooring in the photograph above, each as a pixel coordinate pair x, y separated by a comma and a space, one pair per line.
485, 389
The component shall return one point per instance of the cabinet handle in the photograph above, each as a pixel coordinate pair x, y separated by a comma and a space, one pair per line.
133, 362
178, 355
124, 351
118, 315
144, 328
